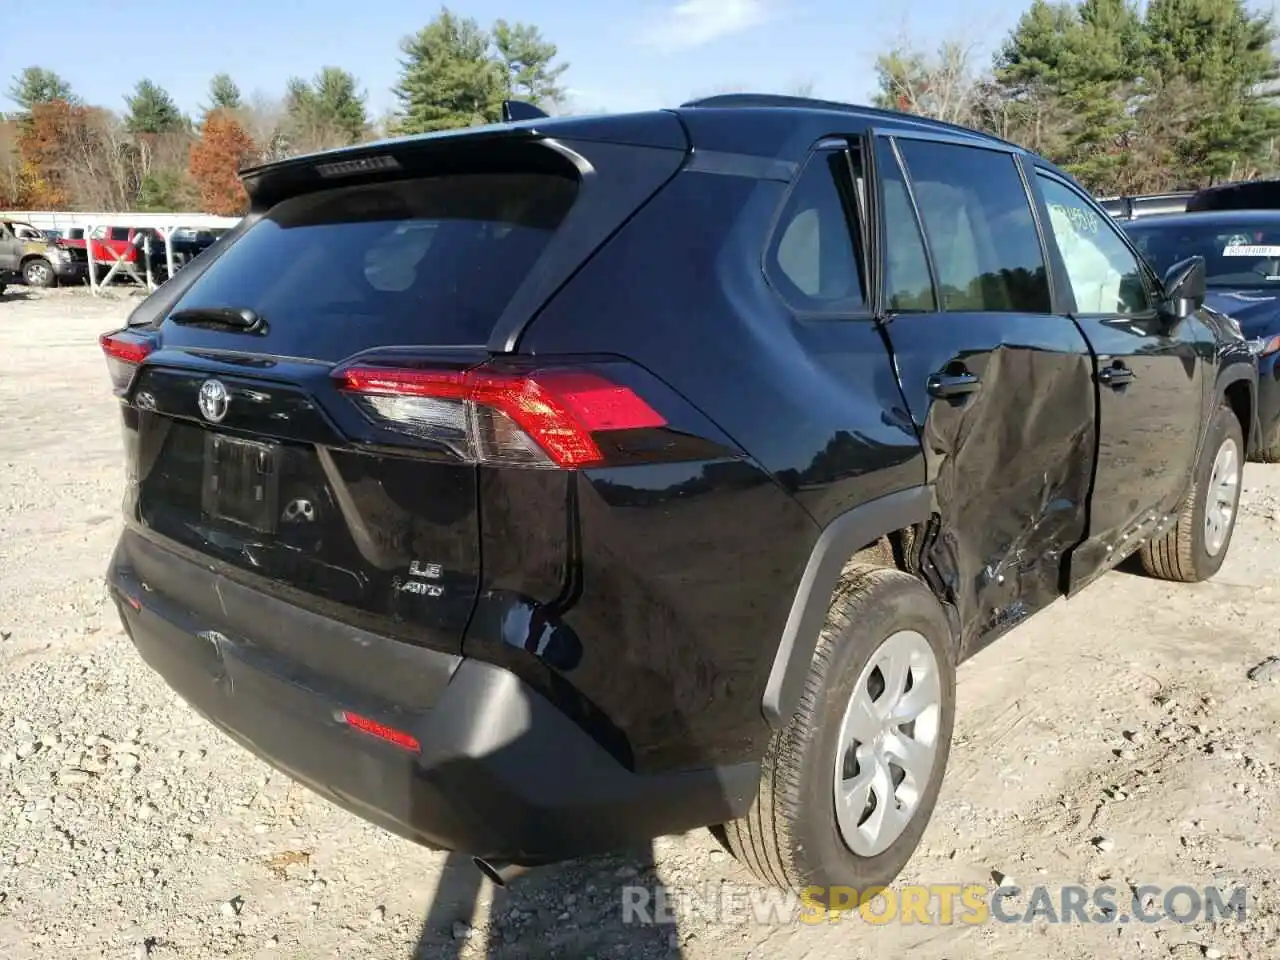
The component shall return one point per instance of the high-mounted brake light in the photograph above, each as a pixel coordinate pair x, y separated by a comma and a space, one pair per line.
544, 418
124, 352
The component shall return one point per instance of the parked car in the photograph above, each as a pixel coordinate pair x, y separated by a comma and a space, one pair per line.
126, 244
191, 242
532, 520
1238, 195
43, 262
187, 244
1241, 250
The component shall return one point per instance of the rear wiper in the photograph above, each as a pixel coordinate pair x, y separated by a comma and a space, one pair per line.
231, 318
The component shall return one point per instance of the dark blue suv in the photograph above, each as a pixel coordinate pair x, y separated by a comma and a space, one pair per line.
537, 489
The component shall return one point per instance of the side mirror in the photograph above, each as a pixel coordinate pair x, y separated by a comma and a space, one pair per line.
1184, 288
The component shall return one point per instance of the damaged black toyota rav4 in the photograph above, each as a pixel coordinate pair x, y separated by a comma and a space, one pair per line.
543, 488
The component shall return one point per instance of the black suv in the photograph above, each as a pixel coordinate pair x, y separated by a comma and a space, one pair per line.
542, 488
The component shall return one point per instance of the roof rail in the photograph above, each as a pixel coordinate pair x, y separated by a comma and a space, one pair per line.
809, 103
516, 110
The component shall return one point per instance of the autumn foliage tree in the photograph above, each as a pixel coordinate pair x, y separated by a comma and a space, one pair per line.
47, 147
223, 149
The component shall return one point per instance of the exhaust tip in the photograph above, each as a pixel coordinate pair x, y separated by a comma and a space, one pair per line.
499, 871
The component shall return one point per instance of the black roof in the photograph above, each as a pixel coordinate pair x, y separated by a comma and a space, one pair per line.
739, 103
810, 104
766, 125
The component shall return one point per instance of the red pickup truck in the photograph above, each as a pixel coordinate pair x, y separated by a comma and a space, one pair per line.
128, 243
107, 244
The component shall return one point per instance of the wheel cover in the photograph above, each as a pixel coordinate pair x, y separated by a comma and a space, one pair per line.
38, 272
1221, 497
888, 742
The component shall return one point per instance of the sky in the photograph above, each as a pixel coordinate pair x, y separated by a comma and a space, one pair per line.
622, 55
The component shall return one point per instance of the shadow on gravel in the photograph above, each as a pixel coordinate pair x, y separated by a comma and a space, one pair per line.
1132, 565
573, 910
600, 907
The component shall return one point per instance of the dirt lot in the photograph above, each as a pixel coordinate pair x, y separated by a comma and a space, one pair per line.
1116, 740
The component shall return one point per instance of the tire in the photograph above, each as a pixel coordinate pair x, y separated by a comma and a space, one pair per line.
792, 837
38, 272
1187, 552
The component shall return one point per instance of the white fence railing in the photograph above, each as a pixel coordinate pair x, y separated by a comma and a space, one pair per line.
48, 220
163, 224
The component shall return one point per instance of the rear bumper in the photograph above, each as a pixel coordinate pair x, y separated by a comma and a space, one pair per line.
501, 773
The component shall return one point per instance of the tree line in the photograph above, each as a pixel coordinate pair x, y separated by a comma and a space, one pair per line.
1176, 95
1179, 95
59, 153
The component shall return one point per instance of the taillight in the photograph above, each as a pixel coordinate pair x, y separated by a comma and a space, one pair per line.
124, 351
539, 418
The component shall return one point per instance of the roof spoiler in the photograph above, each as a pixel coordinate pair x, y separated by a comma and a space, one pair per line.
514, 111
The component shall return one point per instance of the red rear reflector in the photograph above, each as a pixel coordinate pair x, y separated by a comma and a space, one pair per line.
543, 418
373, 728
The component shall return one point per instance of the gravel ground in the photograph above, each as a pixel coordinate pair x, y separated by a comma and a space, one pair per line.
1119, 739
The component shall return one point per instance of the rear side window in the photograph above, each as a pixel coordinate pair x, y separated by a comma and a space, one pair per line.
979, 225
812, 260
430, 261
908, 287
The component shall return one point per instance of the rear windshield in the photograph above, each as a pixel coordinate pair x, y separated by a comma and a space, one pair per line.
412, 262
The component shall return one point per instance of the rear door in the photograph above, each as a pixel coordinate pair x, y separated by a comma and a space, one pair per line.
1151, 379
999, 384
254, 455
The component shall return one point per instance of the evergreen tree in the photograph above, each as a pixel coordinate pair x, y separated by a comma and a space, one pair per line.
329, 111
526, 58
163, 191
152, 110
448, 78
1102, 70
1225, 51
38, 85
223, 94
1035, 52
1121, 79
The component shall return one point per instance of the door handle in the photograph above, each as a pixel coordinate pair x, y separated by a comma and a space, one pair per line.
948, 386
1115, 376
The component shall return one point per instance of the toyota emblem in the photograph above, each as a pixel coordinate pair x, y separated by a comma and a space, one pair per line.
213, 400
